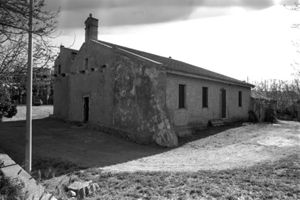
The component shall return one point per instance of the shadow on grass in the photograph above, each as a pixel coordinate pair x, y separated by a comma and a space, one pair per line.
209, 131
61, 146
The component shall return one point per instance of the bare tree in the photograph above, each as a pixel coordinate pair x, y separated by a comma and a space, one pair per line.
285, 93
14, 16
294, 5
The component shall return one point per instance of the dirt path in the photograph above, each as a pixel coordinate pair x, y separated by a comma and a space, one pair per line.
38, 112
234, 148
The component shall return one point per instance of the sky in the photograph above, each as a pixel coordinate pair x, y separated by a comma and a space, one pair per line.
245, 39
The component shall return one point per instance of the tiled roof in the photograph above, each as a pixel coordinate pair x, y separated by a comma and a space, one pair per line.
179, 66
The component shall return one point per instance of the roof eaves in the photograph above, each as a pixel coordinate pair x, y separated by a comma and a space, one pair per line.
197, 76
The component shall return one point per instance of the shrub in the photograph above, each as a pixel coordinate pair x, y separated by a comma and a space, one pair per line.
252, 116
7, 107
10, 189
270, 115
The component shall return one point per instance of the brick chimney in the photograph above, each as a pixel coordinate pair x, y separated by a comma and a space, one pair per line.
91, 28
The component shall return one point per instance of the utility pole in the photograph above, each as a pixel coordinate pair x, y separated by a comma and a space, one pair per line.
28, 151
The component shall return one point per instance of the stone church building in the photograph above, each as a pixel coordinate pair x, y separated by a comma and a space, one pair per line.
148, 98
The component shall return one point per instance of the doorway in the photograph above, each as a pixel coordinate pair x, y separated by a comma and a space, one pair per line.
86, 109
223, 103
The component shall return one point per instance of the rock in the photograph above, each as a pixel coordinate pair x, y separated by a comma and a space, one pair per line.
71, 193
77, 185
166, 138
82, 189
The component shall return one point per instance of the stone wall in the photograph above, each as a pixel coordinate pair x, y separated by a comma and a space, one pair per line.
61, 97
139, 101
31, 189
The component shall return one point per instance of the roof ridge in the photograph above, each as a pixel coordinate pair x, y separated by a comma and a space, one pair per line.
140, 56
100, 42
127, 51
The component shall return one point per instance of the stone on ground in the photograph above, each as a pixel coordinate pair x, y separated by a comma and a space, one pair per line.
82, 189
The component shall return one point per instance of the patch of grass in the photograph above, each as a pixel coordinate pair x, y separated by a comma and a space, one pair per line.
46, 168
278, 180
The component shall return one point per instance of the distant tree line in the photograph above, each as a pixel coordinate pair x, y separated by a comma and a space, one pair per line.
285, 93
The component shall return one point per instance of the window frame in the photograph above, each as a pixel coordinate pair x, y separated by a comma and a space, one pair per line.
240, 99
204, 97
86, 63
59, 69
181, 96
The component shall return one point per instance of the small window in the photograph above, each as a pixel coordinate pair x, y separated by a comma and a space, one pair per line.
240, 98
86, 64
59, 69
205, 97
181, 99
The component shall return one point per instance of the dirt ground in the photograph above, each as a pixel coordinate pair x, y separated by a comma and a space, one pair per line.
213, 149
234, 148
38, 112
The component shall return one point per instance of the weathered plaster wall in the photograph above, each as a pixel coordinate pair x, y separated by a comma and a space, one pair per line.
136, 95
61, 84
125, 93
93, 81
65, 60
61, 97
139, 101
194, 112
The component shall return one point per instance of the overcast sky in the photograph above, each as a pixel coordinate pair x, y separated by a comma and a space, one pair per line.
239, 38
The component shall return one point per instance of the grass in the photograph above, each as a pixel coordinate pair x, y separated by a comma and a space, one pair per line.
84, 147
66, 144
43, 169
47, 168
277, 180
